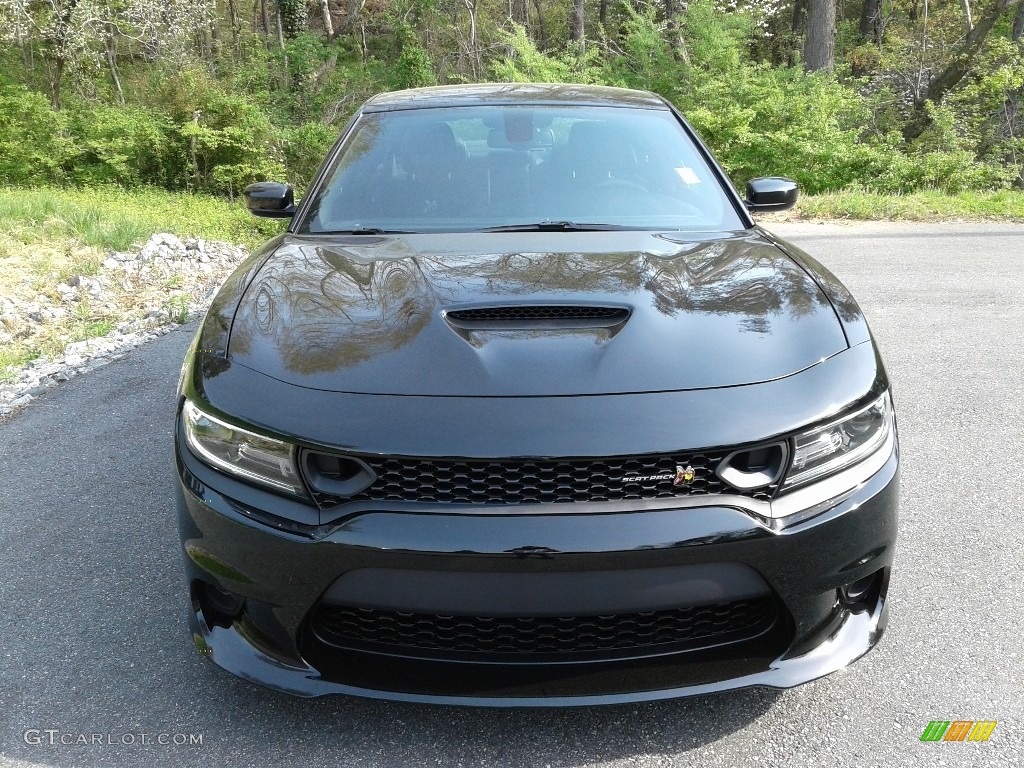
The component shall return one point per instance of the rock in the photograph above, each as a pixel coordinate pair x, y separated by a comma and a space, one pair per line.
90, 285
37, 390
23, 400
130, 289
163, 246
81, 347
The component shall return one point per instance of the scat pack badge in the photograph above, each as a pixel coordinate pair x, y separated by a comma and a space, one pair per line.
683, 476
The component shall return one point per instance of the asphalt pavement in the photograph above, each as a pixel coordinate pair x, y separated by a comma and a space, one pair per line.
94, 645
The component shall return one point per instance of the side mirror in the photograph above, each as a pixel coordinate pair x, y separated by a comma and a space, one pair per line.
270, 200
770, 193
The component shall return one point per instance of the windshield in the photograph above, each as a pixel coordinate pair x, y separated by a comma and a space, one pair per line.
494, 167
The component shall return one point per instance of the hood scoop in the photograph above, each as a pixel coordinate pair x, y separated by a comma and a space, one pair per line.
530, 317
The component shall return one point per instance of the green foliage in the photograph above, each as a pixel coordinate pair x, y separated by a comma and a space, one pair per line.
214, 107
177, 308
781, 122
293, 16
525, 64
716, 41
413, 69
34, 145
120, 145
648, 61
224, 140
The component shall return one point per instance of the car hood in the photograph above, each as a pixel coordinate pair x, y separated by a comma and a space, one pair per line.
373, 315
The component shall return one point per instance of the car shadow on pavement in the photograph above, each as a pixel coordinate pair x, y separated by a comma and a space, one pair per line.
352, 731
414, 734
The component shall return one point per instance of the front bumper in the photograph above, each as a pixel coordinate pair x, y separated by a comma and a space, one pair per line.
282, 573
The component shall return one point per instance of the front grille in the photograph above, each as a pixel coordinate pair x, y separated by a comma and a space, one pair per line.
530, 636
538, 481
537, 312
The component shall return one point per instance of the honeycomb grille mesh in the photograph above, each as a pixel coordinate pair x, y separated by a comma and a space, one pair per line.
555, 481
539, 312
698, 626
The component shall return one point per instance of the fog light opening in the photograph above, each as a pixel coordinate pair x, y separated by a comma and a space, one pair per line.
218, 606
862, 592
754, 468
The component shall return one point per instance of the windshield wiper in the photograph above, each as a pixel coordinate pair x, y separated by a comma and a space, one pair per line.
555, 226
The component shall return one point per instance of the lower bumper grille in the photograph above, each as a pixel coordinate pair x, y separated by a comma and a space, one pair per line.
530, 638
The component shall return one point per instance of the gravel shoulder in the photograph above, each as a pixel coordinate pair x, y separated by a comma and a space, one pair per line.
131, 298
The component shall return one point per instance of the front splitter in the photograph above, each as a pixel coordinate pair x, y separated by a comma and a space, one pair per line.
853, 636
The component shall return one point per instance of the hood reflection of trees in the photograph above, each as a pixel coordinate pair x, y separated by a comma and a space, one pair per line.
328, 309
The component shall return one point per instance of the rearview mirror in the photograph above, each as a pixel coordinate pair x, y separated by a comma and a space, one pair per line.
770, 193
270, 200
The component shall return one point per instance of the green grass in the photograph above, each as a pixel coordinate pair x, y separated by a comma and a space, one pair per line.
14, 357
111, 218
1002, 205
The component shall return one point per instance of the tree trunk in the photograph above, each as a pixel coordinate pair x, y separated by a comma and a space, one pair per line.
871, 21
236, 24
965, 5
674, 33
542, 35
54, 51
819, 48
213, 50
325, 9
349, 22
108, 53
475, 61
578, 16
602, 13
519, 10
1018, 24
956, 70
280, 41
799, 17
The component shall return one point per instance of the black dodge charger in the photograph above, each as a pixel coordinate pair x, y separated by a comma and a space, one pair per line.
524, 409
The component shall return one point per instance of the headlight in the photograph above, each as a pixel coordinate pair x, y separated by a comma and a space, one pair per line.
824, 450
240, 452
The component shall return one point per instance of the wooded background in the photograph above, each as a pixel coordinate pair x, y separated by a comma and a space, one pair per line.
883, 95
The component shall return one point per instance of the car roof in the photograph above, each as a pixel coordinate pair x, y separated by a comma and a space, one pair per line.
513, 93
